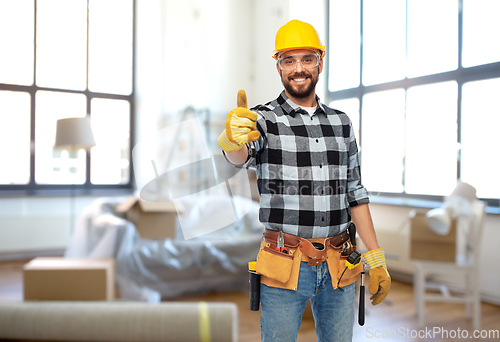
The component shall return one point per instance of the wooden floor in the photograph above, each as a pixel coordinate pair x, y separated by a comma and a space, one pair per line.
395, 316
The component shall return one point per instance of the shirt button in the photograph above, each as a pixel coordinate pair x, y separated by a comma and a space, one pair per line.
320, 166
317, 140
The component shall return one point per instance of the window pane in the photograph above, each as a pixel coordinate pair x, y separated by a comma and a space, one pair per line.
384, 41
344, 45
61, 50
383, 145
351, 108
15, 125
480, 32
431, 139
432, 36
110, 156
480, 165
110, 46
16, 41
53, 166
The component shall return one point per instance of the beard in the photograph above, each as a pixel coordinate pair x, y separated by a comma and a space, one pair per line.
301, 91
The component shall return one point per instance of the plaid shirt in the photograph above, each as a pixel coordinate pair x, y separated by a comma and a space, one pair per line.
307, 168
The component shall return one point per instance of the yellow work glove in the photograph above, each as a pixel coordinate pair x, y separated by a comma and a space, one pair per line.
241, 126
380, 281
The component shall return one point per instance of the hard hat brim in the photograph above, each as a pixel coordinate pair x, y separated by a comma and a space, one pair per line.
322, 50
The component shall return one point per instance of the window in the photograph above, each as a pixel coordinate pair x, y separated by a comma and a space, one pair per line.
431, 139
65, 59
383, 137
421, 85
480, 121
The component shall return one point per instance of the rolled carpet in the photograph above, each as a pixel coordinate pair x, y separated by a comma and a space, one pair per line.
119, 321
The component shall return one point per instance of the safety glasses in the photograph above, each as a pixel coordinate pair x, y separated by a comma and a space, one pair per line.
290, 62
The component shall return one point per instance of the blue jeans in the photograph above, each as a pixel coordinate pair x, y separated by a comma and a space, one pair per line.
333, 310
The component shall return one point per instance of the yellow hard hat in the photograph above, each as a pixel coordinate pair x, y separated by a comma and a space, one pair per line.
297, 34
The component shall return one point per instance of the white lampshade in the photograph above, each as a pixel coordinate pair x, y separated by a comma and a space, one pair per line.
439, 220
74, 134
465, 191
458, 202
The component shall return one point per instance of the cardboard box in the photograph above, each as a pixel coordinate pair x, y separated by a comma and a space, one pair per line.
427, 245
153, 220
59, 278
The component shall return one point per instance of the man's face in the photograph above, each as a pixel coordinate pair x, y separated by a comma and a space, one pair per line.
299, 82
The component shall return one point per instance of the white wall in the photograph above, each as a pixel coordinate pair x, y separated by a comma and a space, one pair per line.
31, 226
269, 17
192, 53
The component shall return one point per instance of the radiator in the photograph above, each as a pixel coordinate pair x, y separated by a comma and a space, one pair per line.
34, 233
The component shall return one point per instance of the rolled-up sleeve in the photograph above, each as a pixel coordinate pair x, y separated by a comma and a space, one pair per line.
356, 192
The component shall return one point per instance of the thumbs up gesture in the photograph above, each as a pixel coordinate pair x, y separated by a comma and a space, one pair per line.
241, 126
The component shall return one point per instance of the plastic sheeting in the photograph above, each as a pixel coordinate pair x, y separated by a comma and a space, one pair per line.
152, 270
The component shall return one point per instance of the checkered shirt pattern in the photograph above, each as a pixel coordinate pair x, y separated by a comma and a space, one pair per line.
307, 167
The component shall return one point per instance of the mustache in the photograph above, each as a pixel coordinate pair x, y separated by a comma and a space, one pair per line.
299, 75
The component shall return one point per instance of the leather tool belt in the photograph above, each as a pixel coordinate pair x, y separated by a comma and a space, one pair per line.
312, 252
279, 258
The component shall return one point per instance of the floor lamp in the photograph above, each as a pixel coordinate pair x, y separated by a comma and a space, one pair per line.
73, 134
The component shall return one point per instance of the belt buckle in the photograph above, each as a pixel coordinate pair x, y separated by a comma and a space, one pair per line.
318, 246
316, 259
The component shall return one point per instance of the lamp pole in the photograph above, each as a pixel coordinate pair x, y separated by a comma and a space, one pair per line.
73, 134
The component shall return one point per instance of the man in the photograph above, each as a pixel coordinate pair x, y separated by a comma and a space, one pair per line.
307, 165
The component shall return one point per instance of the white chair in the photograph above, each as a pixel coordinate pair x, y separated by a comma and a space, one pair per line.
466, 265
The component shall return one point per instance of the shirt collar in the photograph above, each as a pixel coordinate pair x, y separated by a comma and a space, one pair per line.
291, 108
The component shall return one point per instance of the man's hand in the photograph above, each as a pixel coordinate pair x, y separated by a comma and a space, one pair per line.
241, 126
380, 281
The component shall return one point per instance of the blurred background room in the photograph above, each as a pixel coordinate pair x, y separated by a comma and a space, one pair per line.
113, 189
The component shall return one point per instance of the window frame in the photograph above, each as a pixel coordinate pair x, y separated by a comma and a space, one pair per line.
32, 188
461, 75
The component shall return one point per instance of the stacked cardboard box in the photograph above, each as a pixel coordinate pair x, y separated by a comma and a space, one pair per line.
153, 220
427, 245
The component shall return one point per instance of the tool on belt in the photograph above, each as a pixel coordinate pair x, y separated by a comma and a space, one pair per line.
361, 311
354, 257
280, 243
352, 261
254, 287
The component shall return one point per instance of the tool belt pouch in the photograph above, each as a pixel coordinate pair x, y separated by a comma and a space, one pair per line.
274, 264
336, 257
